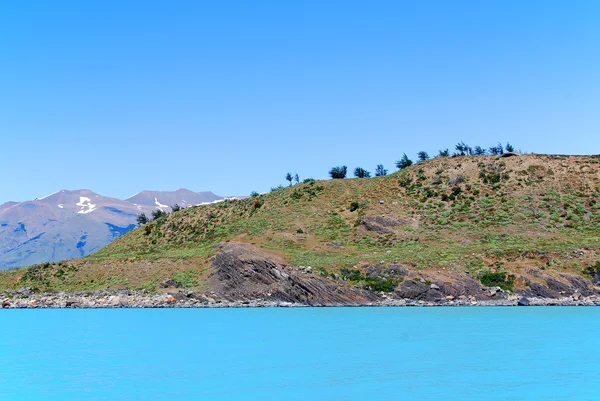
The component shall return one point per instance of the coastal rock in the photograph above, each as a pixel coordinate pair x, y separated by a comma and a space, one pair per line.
580, 284
412, 289
540, 290
242, 272
524, 301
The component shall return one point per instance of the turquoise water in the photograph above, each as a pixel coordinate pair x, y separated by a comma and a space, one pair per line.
301, 354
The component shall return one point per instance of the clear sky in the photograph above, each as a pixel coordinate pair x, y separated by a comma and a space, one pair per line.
119, 96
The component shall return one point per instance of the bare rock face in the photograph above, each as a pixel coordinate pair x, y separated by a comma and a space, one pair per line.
380, 224
581, 285
243, 272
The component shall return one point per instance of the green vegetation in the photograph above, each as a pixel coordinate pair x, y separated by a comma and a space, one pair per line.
186, 279
379, 284
380, 171
360, 172
487, 216
338, 172
594, 270
497, 279
404, 162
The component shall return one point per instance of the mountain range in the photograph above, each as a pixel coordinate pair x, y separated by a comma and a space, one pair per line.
70, 224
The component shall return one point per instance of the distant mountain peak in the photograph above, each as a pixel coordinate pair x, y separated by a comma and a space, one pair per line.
51, 228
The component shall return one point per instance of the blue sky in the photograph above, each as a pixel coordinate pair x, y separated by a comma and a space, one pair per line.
227, 96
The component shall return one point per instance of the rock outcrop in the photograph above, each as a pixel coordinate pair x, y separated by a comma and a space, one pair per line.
242, 272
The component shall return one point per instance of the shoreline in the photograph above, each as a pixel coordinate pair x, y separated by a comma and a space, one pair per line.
139, 300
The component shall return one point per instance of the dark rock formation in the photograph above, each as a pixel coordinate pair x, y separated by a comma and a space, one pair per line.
540, 290
412, 289
242, 272
380, 224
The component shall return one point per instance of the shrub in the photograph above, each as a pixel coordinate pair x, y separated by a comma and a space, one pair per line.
593, 270
463, 149
256, 204
310, 191
175, 208
307, 180
404, 162
360, 172
338, 172
497, 279
380, 171
351, 274
142, 219
354, 206
479, 151
405, 181
444, 153
497, 150
157, 214
254, 194
147, 229
381, 284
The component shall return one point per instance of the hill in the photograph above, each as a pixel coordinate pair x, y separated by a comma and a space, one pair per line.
470, 226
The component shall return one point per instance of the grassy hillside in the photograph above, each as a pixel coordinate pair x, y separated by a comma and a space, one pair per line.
466, 214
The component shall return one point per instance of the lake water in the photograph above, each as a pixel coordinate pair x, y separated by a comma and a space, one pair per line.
301, 354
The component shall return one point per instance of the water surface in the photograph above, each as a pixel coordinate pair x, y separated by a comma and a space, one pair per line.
301, 354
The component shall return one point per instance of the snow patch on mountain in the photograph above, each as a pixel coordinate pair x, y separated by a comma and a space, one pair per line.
86, 205
160, 205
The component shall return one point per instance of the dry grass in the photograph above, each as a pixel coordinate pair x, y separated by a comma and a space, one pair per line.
464, 213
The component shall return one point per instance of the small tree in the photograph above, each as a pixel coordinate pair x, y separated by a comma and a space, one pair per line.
175, 208
254, 194
404, 162
380, 171
422, 155
463, 149
479, 151
360, 172
297, 178
142, 219
338, 172
444, 153
497, 150
289, 178
157, 214
509, 147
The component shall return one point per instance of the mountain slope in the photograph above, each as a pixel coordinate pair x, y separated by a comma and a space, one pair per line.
164, 199
65, 225
442, 228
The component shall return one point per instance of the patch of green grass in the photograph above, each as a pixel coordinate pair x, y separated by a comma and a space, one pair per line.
186, 279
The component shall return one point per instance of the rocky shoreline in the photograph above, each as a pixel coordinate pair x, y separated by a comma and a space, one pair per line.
25, 299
